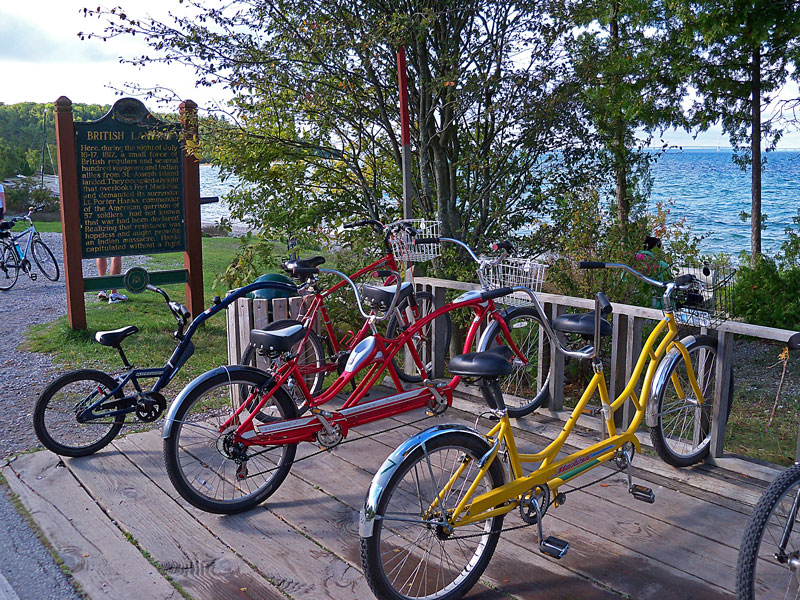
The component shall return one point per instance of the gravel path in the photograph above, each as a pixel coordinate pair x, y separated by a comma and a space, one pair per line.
25, 374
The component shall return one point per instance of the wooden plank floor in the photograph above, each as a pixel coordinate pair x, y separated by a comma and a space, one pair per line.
113, 516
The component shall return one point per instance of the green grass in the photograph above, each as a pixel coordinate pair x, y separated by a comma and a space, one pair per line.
152, 346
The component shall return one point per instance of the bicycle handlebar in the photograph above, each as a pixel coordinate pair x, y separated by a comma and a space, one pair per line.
631, 270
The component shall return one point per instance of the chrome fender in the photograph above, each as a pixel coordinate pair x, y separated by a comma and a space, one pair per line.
197, 381
390, 466
661, 379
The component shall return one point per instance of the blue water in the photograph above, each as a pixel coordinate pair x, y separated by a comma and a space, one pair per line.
710, 191
707, 188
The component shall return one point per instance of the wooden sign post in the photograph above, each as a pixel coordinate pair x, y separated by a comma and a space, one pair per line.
128, 186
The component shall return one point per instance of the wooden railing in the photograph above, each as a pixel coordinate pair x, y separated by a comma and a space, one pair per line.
626, 343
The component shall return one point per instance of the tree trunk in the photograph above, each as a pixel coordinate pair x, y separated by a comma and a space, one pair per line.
755, 150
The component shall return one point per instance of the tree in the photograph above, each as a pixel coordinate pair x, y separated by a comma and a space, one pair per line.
743, 52
631, 73
313, 130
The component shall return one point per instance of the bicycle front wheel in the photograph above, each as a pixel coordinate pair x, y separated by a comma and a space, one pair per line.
769, 555
310, 361
409, 556
682, 436
44, 259
55, 413
525, 389
206, 466
422, 340
9, 267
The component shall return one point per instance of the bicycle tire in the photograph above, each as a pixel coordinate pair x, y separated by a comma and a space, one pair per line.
759, 574
401, 549
422, 340
523, 390
194, 456
75, 387
9, 266
43, 256
681, 437
312, 361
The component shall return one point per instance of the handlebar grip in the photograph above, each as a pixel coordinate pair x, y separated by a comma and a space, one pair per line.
355, 224
498, 293
504, 245
429, 240
605, 306
794, 342
590, 264
685, 279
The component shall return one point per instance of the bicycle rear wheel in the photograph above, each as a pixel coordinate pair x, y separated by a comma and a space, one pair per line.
44, 259
769, 555
55, 413
682, 436
524, 389
9, 266
422, 341
407, 557
206, 466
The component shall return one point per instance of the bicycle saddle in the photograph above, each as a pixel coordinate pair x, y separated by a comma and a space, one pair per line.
491, 363
114, 337
580, 323
380, 296
277, 340
303, 263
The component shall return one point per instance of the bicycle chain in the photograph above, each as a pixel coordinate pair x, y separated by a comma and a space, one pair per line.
363, 437
505, 529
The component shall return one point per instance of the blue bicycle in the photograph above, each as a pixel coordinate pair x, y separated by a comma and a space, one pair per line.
82, 411
16, 248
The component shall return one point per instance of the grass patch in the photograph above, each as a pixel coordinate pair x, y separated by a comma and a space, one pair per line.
149, 557
153, 345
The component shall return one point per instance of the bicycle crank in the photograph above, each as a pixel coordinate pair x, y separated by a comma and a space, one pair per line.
149, 406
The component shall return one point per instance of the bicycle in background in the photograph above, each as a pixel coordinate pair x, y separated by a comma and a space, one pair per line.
15, 250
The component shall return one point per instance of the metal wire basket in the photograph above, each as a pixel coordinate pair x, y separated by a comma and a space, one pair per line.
709, 301
511, 272
402, 242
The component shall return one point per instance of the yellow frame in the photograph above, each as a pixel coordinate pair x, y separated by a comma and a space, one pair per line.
552, 472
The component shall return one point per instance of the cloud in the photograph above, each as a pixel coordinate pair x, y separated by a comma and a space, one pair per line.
25, 40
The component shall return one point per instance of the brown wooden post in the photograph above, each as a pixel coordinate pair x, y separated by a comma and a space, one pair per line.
193, 256
70, 218
721, 390
557, 361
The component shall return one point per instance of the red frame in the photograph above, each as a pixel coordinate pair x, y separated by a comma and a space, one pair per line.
353, 412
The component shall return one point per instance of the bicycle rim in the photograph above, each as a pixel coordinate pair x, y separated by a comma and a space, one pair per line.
765, 570
44, 259
203, 462
9, 267
414, 559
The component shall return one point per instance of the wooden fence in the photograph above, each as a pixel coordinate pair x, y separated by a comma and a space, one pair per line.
626, 343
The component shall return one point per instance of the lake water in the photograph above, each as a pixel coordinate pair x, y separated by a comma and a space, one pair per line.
707, 188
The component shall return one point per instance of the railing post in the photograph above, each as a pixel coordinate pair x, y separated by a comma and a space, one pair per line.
556, 401
439, 350
232, 317
619, 332
721, 392
244, 308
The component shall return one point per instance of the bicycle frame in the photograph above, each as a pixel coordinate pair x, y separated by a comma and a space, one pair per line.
179, 356
552, 472
353, 412
30, 231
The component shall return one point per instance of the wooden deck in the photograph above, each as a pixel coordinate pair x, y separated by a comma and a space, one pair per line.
107, 514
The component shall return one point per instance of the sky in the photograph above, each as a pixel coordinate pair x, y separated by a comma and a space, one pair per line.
42, 58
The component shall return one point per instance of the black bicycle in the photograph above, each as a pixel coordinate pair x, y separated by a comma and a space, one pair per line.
82, 411
15, 251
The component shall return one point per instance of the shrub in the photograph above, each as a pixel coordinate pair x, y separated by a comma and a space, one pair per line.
768, 295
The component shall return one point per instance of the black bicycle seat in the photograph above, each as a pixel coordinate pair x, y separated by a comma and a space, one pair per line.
580, 323
303, 263
380, 296
114, 338
493, 363
277, 340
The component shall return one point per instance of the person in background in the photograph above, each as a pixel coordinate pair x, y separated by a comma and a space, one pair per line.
2, 202
650, 260
116, 268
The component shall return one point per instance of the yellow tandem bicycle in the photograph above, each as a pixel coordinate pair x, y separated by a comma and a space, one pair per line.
434, 511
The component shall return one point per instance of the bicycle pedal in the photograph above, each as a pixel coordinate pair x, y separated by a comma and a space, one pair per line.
645, 494
552, 546
431, 383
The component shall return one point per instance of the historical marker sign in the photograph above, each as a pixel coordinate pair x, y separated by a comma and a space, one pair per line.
130, 183
128, 186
